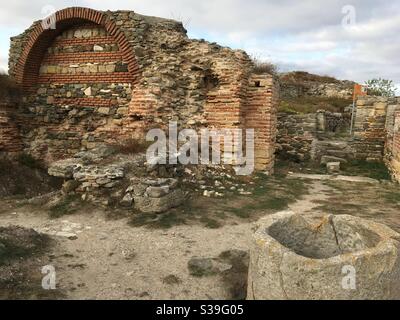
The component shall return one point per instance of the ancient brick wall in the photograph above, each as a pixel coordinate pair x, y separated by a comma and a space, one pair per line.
261, 115
110, 76
369, 128
10, 140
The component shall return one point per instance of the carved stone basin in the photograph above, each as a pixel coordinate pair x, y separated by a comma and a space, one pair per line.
323, 257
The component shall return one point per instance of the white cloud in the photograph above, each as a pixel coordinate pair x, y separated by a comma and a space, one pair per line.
306, 35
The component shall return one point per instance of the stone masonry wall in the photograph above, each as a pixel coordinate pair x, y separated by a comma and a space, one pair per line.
370, 127
10, 140
392, 147
110, 76
394, 159
296, 133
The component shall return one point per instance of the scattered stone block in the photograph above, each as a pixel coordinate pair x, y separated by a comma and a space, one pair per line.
127, 201
88, 91
147, 204
326, 159
333, 167
97, 48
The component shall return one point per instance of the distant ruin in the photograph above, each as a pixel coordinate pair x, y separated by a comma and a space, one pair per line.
111, 76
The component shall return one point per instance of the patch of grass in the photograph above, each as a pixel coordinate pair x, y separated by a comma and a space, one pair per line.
337, 185
301, 77
66, 206
277, 204
171, 280
271, 194
243, 212
268, 195
339, 208
210, 223
374, 170
287, 107
267, 204
165, 220
311, 104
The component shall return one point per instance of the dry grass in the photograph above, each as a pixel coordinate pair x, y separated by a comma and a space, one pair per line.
264, 67
299, 77
308, 104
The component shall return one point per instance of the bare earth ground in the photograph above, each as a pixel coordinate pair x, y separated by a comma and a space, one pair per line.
135, 258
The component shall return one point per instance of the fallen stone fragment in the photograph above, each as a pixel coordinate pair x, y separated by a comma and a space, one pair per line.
326, 159
333, 167
147, 204
127, 201
68, 235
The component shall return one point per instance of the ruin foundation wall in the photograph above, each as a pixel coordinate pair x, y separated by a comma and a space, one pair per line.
111, 76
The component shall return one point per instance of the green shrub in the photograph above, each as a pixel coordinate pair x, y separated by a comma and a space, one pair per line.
381, 87
374, 170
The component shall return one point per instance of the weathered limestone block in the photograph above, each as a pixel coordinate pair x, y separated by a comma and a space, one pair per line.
159, 205
102, 175
127, 200
327, 257
327, 159
333, 167
156, 195
64, 168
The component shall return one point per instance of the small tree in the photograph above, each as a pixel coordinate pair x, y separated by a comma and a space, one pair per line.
380, 87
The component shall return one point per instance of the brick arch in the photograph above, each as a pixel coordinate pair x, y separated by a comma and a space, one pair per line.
27, 68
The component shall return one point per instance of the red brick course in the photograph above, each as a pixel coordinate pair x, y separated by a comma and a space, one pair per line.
27, 69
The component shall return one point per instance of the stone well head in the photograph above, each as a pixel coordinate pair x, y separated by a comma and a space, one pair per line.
323, 257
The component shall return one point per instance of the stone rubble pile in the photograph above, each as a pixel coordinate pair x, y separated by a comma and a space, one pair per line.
154, 195
107, 178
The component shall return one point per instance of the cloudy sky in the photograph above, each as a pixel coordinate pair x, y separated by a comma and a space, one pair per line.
350, 39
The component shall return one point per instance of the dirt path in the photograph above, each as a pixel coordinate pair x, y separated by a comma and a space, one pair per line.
113, 260
317, 192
